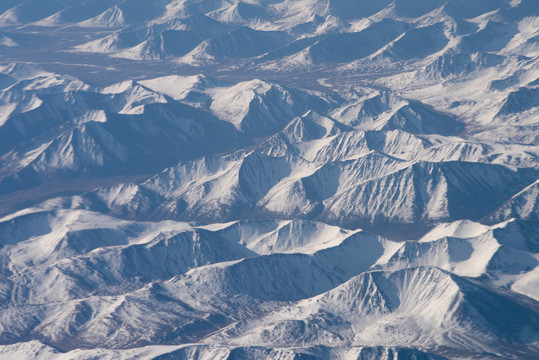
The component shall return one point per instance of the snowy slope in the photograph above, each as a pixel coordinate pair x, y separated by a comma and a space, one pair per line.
394, 307
117, 292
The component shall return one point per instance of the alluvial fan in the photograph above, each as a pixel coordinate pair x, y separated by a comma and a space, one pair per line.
269, 179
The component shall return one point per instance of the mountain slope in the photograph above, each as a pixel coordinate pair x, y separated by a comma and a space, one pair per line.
380, 307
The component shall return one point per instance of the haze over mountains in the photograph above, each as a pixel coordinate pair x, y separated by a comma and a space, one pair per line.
269, 179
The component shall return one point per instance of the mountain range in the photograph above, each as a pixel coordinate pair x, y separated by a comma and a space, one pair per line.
269, 179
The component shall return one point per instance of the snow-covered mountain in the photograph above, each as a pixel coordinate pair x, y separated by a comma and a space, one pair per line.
269, 179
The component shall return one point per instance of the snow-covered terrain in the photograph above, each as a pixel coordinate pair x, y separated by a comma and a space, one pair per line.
269, 179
